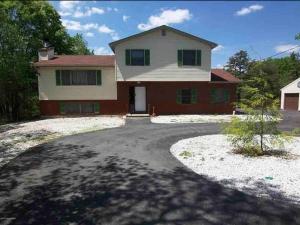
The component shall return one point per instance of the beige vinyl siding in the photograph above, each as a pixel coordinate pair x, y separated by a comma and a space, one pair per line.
48, 90
163, 59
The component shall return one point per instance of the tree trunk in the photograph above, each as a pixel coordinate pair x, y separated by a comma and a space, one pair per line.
262, 129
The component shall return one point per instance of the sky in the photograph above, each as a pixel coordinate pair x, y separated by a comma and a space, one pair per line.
261, 28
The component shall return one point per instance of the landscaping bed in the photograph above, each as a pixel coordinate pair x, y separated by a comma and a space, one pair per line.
276, 176
16, 138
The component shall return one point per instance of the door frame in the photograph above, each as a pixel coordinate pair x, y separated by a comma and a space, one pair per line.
132, 106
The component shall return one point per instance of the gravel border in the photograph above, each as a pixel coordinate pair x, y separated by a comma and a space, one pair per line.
194, 118
16, 138
267, 176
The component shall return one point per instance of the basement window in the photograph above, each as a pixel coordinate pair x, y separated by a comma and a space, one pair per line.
79, 107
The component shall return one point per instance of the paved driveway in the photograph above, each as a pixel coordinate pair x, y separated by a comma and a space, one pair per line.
291, 119
125, 176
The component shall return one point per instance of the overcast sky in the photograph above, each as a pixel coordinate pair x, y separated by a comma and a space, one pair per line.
261, 28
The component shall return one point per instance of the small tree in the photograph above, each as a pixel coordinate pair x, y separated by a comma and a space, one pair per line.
259, 132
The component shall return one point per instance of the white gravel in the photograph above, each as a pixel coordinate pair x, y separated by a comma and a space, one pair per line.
194, 118
266, 176
16, 138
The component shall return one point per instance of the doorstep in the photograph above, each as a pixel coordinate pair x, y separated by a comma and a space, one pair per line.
137, 115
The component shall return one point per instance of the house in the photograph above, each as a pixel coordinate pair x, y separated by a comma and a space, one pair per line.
290, 96
159, 71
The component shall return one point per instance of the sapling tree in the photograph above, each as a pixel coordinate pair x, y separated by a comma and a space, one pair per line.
258, 132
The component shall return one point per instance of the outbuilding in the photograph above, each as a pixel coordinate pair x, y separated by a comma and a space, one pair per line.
290, 96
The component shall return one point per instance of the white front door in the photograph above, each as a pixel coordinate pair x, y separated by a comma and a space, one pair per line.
140, 99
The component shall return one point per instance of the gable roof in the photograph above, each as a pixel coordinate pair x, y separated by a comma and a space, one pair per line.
290, 84
78, 60
211, 44
224, 75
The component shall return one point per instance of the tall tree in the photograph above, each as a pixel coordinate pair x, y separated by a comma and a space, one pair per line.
23, 28
79, 46
238, 64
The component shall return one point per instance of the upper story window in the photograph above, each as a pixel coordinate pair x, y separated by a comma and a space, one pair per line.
189, 57
78, 77
137, 57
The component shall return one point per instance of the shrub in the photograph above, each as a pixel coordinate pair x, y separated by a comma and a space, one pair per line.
185, 154
259, 132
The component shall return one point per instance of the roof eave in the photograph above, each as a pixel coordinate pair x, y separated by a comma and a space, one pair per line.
72, 65
114, 43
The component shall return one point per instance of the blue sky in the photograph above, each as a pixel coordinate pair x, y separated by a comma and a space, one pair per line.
261, 28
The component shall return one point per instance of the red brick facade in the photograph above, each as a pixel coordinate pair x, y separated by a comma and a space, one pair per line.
160, 98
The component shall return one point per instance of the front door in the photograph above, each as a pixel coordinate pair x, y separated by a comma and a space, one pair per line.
140, 99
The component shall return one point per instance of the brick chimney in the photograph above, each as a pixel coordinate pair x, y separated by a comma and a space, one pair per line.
46, 52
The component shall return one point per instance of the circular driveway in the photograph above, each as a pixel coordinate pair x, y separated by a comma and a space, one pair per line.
125, 176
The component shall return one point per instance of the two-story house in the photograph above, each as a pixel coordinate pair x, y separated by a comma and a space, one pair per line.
161, 71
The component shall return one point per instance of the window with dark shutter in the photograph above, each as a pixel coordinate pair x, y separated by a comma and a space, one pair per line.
137, 57
187, 96
219, 95
189, 57
78, 77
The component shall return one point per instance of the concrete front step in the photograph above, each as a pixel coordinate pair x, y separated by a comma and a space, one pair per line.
137, 115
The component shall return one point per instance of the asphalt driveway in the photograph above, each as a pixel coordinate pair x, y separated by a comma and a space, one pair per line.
125, 176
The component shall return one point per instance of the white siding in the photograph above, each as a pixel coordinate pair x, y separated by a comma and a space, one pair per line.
290, 88
48, 90
163, 59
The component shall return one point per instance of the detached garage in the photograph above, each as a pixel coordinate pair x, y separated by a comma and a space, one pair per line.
290, 99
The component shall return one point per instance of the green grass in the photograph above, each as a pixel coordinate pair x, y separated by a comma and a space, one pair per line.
186, 154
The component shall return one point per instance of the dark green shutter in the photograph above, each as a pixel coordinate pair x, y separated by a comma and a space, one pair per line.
147, 57
213, 92
97, 107
99, 77
178, 96
194, 96
226, 96
62, 108
127, 57
198, 58
57, 75
179, 57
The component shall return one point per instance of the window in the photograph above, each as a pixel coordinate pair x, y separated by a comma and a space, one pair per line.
189, 57
186, 96
137, 57
220, 95
78, 77
79, 107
